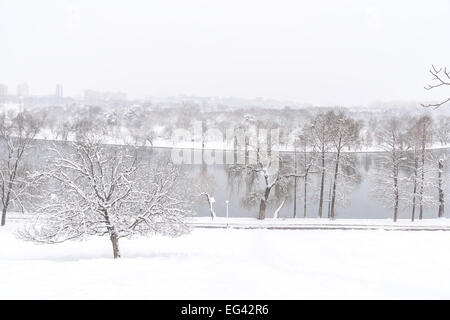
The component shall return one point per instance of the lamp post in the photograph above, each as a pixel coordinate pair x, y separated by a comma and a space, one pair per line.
295, 182
227, 202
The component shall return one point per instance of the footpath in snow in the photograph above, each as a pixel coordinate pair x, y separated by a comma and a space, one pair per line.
323, 224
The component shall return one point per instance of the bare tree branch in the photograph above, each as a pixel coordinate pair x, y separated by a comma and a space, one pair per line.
440, 78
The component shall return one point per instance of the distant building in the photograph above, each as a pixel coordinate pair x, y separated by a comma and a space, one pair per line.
3, 90
59, 91
23, 90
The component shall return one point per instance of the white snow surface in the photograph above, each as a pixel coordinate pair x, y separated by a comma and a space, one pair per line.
232, 264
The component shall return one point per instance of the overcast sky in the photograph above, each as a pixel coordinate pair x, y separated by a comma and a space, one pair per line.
323, 52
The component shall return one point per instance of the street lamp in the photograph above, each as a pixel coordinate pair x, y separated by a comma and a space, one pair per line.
227, 202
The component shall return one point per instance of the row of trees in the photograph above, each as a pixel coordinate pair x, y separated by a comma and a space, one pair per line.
408, 173
147, 124
320, 152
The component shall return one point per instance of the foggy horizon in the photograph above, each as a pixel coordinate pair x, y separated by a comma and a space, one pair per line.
321, 53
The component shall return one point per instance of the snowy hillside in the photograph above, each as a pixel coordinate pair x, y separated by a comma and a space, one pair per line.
232, 264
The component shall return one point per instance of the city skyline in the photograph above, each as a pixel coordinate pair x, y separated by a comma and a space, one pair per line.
23, 89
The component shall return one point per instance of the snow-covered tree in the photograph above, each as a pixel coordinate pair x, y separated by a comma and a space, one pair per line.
96, 190
306, 163
349, 177
275, 183
260, 170
419, 138
369, 130
425, 138
386, 184
16, 137
442, 130
435, 181
344, 133
414, 145
140, 128
319, 135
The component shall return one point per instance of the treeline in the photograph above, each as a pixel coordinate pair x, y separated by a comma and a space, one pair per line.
143, 124
409, 174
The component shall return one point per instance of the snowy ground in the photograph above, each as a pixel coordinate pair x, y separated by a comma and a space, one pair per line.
227, 263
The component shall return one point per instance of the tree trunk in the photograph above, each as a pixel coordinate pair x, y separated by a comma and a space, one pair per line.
3, 216
276, 214
112, 235
211, 206
257, 145
306, 185
295, 184
305, 194
235, 149
329, 200
115, 245
262, 210
333, 196
6, 204
263, 205
396, 197
441, 191
322, 182
247, 142
422, 182
415, 189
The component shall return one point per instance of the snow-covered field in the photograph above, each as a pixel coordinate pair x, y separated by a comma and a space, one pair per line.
232, 264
